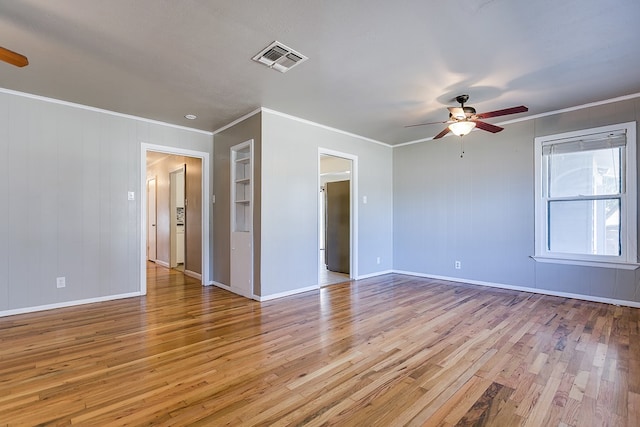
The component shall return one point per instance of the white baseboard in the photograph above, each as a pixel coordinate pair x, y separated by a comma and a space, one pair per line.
228, 288
162, 263
376, 274
67, 304
220, 285
193, 274
525, 289
287, 293
294, 291
266, 297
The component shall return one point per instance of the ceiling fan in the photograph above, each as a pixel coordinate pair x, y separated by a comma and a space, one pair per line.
13, 58
463, 119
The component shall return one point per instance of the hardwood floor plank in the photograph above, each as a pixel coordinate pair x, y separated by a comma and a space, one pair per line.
387, 351
633, 409
457, 406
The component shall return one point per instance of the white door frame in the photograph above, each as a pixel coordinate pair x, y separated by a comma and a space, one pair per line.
353, 224
204, 156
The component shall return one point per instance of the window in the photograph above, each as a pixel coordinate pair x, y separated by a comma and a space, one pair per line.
586, 196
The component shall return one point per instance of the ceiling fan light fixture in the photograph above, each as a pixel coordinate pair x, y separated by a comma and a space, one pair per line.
462, 128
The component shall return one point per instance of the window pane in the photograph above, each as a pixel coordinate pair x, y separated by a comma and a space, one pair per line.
585, 173
586, 227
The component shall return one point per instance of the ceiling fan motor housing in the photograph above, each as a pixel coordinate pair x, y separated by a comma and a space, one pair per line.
469, 111
462, 99
463, 113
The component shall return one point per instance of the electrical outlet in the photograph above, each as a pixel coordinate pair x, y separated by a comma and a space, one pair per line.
458, 265
60, 282
378, 260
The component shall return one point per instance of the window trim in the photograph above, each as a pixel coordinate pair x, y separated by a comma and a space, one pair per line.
628, 220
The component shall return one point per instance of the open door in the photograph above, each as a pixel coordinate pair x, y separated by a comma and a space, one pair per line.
193, 216
177, 217
151, 220
338, 232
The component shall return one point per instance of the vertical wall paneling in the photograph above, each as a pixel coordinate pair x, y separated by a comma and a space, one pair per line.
289, 217
5, 161
65, 173
91, 196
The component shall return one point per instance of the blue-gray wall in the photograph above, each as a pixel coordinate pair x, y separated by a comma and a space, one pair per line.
290, 195
479, 209
65, 172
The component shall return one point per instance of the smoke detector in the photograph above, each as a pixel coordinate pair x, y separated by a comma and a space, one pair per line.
279, 57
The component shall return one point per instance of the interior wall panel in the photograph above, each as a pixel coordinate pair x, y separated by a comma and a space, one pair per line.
250, 128
65, 174
479, 209
290, 193
4, 197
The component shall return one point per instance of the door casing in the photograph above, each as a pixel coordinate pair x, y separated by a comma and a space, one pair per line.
353, 223
206, 202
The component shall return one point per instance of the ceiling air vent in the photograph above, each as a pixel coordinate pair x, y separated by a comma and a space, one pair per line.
279, 57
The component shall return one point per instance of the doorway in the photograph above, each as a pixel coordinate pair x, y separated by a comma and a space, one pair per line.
195, 166
335, 218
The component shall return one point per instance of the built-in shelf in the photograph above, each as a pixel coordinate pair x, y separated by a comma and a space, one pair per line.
241, 250
241, 188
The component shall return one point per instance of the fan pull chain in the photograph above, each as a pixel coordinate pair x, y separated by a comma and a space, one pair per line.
461, 146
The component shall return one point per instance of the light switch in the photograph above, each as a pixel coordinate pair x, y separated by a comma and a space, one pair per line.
364, 199
131, 195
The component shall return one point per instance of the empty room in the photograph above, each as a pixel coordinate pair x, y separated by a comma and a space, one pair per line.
318, 213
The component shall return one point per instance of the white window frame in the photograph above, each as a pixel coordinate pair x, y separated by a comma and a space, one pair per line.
628, 205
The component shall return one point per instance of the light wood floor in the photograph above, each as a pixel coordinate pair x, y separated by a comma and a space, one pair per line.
390, 351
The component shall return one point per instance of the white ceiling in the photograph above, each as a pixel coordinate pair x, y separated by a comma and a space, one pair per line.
374, 65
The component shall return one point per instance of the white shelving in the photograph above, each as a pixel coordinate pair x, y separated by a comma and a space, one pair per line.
242, 219
242, 168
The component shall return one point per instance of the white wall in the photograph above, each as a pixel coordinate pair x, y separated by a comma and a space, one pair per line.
65, 172
480, 209
289, 209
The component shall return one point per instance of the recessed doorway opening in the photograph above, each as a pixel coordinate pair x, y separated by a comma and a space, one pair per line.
177, 223
336, 218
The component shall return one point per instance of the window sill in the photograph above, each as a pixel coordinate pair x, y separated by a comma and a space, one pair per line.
602, 264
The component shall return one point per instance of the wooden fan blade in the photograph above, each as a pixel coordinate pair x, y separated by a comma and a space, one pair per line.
488, 126
512, 110
13, 58
424, 124
443, 133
